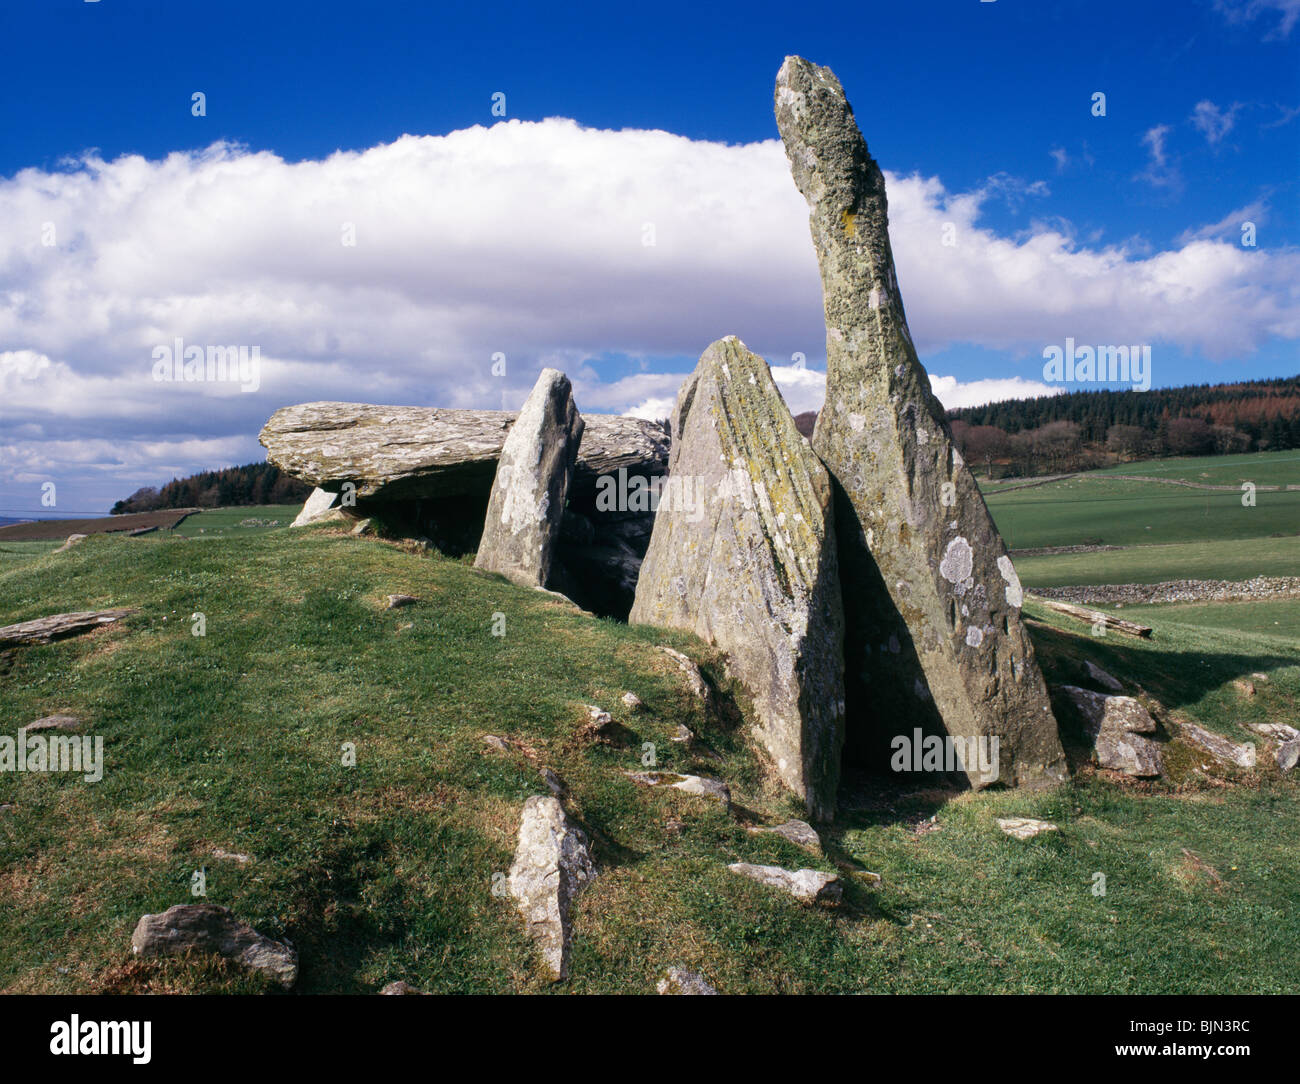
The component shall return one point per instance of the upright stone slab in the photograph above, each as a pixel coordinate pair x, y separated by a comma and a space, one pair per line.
932, 602
532, 480
743, 555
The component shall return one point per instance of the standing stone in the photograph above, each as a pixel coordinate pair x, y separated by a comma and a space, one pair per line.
532, 482
552, 866
743, 555
932, 602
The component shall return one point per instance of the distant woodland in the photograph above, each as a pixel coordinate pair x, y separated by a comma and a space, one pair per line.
255, 483
1085, 429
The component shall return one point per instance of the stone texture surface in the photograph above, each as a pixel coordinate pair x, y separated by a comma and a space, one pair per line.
796, 831
743, 555
399, 453
1025, 827
552, 866
1115, 725
526, 504
932, 601
1221, 748
53, 722
677, 980
1102, 677
701, 786
400, 988
319, 506
44, 630
207, 927
1288, 755
804, 884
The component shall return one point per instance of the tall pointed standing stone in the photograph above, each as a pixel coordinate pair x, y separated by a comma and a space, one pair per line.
532, 481
932, 603
743, 555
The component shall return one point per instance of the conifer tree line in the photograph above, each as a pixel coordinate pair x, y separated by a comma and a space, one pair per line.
1083, 429
254, 483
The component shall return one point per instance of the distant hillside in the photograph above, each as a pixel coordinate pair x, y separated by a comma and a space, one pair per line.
1089, 428
253, 484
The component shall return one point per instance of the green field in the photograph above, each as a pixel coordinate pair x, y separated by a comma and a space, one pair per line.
1218, 560
384, 870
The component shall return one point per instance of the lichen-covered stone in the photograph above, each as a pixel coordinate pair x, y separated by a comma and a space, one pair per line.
552, 866
743, 555
532, 481
1115, 725
1241, 754
932, 600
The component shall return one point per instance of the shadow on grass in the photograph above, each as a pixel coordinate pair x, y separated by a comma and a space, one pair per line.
1176, 678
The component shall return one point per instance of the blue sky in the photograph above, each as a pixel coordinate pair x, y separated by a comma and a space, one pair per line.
981, 114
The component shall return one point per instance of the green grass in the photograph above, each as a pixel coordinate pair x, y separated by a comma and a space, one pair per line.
385, 870
220, 522
1239, 560
1098, 507
16, 553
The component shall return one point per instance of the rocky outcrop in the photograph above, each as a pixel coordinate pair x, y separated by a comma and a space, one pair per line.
532, 482
743, 555
552, 866
932, 602
804, 884
209, 928
45, 630
1115, 725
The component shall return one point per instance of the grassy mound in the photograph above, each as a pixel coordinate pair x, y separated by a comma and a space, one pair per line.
231, 744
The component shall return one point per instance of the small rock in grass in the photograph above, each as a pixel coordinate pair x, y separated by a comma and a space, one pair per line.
499, 744
207, 927
552, 866
397, 601
1102, 678
54, 722
1246, 688
804, 884
795, 831
1288, 754
677, 980
631, 701
699, 785
1277, 731
231, 856
399, 988
553, 783
1025, 827
1230, 752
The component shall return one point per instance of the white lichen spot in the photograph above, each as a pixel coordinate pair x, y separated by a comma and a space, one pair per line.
958, 560
857, 422
922, 436
1015, 593
974, 636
